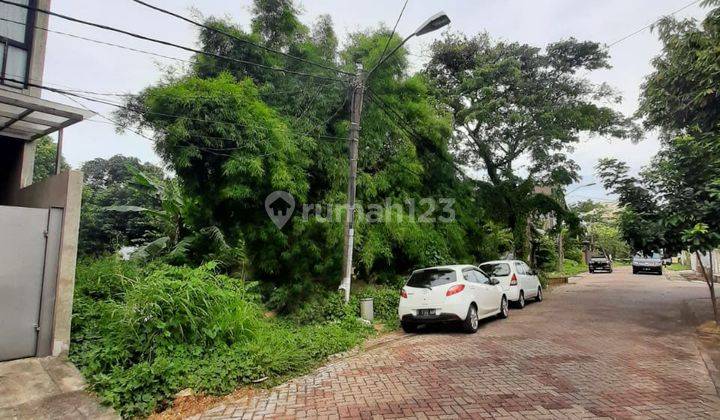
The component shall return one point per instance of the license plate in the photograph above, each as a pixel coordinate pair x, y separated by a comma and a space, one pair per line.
426, 312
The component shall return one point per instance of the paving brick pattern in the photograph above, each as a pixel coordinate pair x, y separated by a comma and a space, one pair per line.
609, 346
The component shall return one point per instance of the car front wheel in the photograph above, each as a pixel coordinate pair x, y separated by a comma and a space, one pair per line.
471, 323
539, 296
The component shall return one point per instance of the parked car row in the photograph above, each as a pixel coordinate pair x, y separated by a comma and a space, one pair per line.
464, 294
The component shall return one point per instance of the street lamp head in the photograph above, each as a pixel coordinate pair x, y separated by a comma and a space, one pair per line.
435, 22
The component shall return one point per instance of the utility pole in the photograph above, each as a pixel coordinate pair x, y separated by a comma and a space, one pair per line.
434, 23
356, 102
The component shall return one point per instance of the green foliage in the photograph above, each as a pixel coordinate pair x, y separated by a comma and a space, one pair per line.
678, 267
109, 182
510, 100
45, 158
385, 302
143, 332
570, 268
674, 203
235, 133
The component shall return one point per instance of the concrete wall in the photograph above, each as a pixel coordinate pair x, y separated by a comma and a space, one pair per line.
706, 263
61, 191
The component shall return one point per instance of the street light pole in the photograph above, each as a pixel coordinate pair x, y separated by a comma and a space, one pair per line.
356, 102
434, 23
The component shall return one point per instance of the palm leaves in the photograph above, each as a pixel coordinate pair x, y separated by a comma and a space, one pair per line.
177, 239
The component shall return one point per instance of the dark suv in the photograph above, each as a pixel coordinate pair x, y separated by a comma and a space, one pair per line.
600, 262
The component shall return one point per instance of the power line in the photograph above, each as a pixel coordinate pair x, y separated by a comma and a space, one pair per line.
244, 41
612, 44
167, 43
387, 44
96, 41
70, 96
120, 106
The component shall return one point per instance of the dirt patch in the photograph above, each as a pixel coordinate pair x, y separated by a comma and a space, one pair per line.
191, 405
709, 330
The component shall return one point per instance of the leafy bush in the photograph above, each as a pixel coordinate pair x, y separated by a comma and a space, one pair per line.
385, 302
142, 333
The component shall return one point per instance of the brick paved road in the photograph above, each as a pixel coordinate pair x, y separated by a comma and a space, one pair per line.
610, 346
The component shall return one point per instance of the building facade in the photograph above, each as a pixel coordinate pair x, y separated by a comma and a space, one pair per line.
39, 222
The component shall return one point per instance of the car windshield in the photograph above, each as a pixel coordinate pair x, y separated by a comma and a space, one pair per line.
496, 269
653, 256
598, 256
432, 277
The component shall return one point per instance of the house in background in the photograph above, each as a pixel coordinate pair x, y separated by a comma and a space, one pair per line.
38, 222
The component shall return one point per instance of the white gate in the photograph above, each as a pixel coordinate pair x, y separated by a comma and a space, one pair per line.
29, 241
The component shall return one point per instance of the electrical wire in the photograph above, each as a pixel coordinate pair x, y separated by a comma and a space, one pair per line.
237, 38
168, 43
387, 44
132, 109
630, 35
213, 150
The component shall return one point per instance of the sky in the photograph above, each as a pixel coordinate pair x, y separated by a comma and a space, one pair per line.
80, 64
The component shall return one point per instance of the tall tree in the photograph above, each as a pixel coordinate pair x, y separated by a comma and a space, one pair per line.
513, 101
45, 159
682, 99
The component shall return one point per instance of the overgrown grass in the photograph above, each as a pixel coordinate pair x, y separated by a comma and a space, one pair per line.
141, 334
678, 267
570, 268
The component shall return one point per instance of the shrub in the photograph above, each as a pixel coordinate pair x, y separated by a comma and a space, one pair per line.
385, 302
142, 333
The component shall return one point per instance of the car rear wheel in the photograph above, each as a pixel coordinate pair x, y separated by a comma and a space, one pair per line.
539, 296
521, 300
504, 312
471, 323
408, 327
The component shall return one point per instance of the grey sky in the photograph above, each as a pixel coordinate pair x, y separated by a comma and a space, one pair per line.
83, 65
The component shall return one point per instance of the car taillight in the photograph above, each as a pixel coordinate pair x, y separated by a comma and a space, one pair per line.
513, 280
403, 294
455, 289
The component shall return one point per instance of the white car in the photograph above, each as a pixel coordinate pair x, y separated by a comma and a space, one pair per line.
452, 293
518, 281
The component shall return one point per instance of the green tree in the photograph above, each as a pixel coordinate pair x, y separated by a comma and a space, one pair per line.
642, 216
511, 101
45, 158
234, 133
108, 182
681, 99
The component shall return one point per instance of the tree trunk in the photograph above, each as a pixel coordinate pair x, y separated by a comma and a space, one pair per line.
560, 251
711, 284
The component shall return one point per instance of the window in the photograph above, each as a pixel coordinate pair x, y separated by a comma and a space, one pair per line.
472, 276
431, 278
16, 36
528, 270
482, 278
496, 269
519, 267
